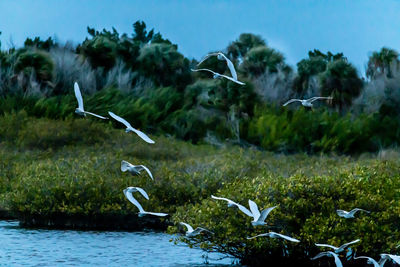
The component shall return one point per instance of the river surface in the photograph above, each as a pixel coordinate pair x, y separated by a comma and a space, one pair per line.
42, 247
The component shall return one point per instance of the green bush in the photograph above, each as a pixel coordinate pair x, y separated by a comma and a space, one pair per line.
164, 65
314, 131
65, 168
306, 210
37, 60
101, 51
27, 132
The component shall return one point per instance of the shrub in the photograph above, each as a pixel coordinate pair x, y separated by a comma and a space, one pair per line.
38, 61
304, 130
306, 211
164, 64
100, 51
28, 132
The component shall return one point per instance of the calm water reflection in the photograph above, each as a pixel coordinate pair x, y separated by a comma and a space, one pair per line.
41, 247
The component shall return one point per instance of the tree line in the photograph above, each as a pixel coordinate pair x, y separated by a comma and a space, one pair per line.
146, 66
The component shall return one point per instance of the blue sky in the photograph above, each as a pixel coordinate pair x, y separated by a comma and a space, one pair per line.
355, 27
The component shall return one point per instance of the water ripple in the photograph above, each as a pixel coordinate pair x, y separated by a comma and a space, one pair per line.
41, 247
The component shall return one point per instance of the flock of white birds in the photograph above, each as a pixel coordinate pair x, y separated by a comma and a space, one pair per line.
254, 212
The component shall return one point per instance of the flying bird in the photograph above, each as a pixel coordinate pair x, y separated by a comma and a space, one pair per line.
307, 102
277, 235
369, 260
129, 128
128, 194
258, 218
190, 232
221, 56
129, 190
80, 110
349, 214
385, 257
217, 75
234, 204
338, 249
134, 169
329, 254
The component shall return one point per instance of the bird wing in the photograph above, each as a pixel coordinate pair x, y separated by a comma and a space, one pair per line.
143, 136
326, 245
329, 254
266, 234
337, 259
133, 200
370, 260
395, 258
382, 260
230, 66
265, 213
243, 209
121, 120
286, 237
213, 72
78, 96
125, 165
221, 198
291, 101
353, 211
147, 170
231, 79
319, 255
189, 228
254, 210
141, 191
312, 99
342, 247
156, 213
201, 229
98, 116
206, 57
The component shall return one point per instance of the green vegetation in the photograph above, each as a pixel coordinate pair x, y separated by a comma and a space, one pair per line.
143, 77
58, 170
69, 176
306, 210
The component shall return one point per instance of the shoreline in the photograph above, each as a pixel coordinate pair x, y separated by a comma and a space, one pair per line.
104, 222
7, 215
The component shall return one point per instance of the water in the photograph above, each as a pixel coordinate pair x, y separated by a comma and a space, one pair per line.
42, 247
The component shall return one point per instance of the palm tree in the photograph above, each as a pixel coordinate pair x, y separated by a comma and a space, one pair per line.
164, 64
341, 81
238, 49
260, 59
380, 63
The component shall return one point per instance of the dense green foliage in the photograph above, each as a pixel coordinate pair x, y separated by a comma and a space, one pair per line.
306, 210
202, 108
72, 170
325, 131
37, 61
143, 77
